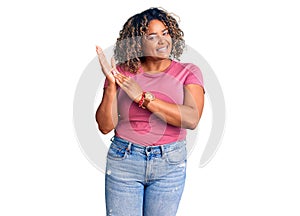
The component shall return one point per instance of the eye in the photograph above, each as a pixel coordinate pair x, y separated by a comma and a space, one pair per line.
165, 33
151, 37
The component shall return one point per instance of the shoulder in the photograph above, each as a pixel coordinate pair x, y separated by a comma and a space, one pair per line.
189, 68
184, 66
192, 73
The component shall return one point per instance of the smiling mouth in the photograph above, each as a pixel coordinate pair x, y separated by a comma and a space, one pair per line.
162, 49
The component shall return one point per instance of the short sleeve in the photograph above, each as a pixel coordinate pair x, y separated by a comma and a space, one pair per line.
194, 75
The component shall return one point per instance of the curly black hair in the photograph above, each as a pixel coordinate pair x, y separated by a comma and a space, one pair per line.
128, 48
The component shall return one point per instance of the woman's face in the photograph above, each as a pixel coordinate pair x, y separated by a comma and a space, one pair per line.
157, 42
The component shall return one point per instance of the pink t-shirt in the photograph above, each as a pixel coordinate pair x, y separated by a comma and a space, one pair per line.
139, 125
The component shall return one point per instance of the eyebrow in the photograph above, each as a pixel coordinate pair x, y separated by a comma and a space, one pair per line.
166, 29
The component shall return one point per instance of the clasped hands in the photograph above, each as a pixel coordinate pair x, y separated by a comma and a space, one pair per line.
129, 85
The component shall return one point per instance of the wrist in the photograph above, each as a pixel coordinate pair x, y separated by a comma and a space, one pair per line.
146, 98
142, 99
111, 89
111, 85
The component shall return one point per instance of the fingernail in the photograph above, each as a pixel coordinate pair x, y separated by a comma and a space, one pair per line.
114, 72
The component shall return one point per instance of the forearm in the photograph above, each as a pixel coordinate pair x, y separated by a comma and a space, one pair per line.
107, 114
186, 115
183, 116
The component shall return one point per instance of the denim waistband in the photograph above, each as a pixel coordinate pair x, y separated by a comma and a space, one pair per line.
156, 149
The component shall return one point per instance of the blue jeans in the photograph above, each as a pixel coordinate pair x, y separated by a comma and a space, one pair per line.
144, 181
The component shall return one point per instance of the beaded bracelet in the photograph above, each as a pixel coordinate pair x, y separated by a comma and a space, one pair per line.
141, 102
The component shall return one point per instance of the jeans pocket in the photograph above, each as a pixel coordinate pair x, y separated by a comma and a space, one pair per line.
116, 152
176, 156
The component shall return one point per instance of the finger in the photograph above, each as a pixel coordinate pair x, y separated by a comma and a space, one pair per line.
114, 70
123, 80
113, 62
98, 49
119, 82
120, 76
102, 59
120, 79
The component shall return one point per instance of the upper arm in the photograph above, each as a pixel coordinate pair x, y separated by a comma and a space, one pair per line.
194, 98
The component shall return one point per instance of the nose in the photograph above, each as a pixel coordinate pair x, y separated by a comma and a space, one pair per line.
161, 39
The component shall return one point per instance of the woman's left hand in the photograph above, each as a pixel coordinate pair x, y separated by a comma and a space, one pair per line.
130, 86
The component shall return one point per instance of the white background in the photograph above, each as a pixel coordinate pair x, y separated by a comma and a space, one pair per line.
252, 46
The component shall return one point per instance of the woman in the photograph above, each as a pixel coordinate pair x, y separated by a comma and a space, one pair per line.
149, 100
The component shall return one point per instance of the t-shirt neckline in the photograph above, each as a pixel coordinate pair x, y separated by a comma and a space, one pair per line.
158, 73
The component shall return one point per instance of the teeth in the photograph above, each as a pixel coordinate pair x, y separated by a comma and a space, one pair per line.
162, 49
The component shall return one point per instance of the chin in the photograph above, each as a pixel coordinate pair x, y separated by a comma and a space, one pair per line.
163, 55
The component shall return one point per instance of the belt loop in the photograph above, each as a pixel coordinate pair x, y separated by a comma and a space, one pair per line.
162, 151
147, 150
128, 149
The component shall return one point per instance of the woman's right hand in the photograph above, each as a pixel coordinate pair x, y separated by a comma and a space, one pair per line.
106, 68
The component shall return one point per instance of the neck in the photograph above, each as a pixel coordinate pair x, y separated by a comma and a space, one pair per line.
155, 66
